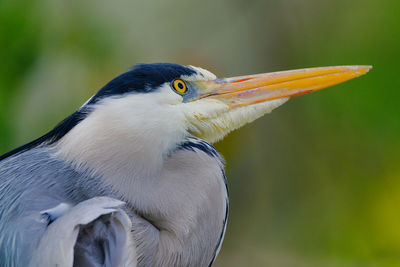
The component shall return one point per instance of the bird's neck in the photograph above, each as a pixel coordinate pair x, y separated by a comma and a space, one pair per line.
121, 144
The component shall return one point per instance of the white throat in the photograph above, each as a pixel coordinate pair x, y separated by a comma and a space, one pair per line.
123, 140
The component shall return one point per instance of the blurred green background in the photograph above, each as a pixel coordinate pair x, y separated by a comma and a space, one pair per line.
315, 183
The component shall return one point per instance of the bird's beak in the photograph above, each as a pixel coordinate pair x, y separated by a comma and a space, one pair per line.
251, 89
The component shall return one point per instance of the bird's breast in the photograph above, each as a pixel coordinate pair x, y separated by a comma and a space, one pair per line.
188, 206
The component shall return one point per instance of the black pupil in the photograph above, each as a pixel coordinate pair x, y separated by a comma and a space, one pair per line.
180, 85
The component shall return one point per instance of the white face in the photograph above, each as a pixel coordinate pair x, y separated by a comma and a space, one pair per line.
209, 119
165, 112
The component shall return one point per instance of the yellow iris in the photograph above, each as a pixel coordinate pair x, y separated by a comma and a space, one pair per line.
180, 86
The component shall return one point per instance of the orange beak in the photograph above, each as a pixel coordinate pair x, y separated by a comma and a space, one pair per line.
251, 89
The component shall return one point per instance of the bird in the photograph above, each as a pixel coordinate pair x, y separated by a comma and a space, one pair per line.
131, 178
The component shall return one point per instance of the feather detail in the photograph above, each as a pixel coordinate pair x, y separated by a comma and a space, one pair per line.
95, 232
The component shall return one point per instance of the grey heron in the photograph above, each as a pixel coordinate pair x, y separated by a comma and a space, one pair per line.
131, 177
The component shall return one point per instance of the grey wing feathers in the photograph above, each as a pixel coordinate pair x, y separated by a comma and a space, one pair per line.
95, 232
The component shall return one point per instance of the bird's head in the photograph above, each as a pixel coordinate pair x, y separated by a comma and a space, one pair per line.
194, 101
150, 109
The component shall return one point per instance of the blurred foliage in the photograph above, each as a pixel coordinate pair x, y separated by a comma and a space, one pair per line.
315, 183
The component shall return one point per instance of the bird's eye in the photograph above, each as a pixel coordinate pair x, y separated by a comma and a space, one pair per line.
179, 86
